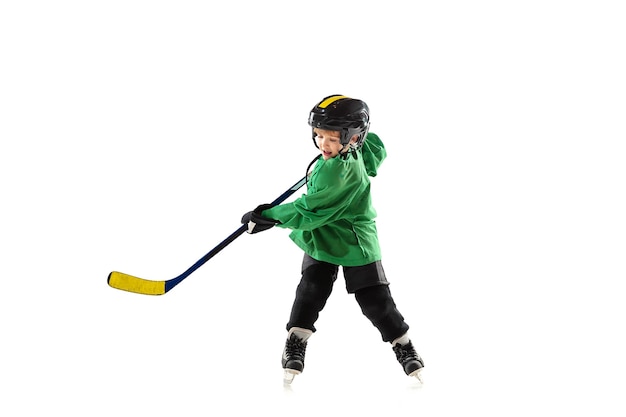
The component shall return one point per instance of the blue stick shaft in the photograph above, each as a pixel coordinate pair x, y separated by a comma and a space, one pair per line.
175, 281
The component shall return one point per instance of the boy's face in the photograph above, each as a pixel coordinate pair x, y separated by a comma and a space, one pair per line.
329, 142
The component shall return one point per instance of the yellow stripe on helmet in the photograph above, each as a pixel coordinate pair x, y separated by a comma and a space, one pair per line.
330, 100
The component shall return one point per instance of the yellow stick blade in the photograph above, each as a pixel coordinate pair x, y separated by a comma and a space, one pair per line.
137, 285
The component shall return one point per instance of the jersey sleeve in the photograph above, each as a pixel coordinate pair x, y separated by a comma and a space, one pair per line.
374, 153
336, 183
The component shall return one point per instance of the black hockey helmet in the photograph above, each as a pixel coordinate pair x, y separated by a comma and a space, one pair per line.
347, 115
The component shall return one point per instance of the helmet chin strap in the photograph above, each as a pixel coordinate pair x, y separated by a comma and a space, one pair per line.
347, 150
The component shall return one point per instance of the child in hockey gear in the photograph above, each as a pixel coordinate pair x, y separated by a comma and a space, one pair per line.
333, 223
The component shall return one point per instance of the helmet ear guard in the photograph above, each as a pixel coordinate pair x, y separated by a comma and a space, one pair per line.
339, 113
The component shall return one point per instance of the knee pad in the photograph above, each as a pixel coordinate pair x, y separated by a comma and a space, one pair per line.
317, 280
375, 301
378, 306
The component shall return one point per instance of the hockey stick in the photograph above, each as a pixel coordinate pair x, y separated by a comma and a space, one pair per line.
138, 285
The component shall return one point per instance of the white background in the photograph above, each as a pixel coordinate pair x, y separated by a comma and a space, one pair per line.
135, 134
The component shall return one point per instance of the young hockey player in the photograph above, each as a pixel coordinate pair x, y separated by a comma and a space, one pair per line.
333, 223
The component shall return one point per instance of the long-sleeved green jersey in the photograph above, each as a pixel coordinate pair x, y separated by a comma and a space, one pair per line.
334, 220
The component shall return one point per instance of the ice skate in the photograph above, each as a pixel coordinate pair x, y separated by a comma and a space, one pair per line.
293, 354
411, 362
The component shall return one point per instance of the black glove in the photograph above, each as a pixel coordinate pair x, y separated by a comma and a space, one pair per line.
256, 222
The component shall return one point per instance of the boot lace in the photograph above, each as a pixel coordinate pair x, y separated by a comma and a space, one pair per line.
295, 348
406, 353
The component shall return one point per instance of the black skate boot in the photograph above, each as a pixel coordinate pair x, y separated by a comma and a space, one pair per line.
293, 354
409, 359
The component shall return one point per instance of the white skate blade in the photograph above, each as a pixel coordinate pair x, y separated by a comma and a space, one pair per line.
289, 375
417, 374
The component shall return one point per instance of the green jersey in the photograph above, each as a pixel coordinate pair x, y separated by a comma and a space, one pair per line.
334, 221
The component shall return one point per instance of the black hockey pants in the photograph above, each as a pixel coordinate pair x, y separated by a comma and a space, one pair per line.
370, 288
